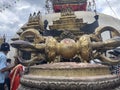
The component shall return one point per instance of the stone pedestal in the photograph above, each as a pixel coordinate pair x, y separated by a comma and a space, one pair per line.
69, 76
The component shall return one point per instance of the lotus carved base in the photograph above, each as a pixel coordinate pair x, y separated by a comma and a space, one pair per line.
69, 76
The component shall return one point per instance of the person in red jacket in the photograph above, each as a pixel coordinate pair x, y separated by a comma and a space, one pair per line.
15, 75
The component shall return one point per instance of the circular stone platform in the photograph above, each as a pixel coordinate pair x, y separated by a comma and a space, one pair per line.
69, 69
69, 76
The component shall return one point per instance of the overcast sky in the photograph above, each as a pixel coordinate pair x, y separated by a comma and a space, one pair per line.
12, 18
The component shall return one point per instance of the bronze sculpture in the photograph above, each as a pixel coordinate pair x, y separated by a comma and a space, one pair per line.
68, 48
56, 75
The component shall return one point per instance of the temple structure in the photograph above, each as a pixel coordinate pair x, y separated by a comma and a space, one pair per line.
68, 21
76, 5
34, 21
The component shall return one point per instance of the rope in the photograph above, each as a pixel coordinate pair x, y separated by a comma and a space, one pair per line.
95, 9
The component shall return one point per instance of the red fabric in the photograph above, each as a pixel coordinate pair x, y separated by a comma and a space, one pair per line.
75, 7
15, 77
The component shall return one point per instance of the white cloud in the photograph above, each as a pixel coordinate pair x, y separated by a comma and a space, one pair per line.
23, 7
109, 7
8, 17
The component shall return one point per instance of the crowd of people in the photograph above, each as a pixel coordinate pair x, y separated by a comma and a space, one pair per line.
9, 73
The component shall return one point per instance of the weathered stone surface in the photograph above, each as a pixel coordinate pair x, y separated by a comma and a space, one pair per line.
69, 69
30, 82
43, 80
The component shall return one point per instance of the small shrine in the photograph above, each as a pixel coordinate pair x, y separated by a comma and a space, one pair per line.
68, 22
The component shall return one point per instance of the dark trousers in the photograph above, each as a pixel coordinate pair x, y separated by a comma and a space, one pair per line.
2, 86
7, 82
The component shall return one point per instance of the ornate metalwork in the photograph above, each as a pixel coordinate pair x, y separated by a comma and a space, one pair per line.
66, 76
87, 47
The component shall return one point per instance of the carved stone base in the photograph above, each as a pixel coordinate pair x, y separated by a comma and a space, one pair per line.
64, 81
69, 69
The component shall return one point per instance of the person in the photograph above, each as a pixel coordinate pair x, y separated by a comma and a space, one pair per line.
15, 75
115, 55
4, 49
7, 79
